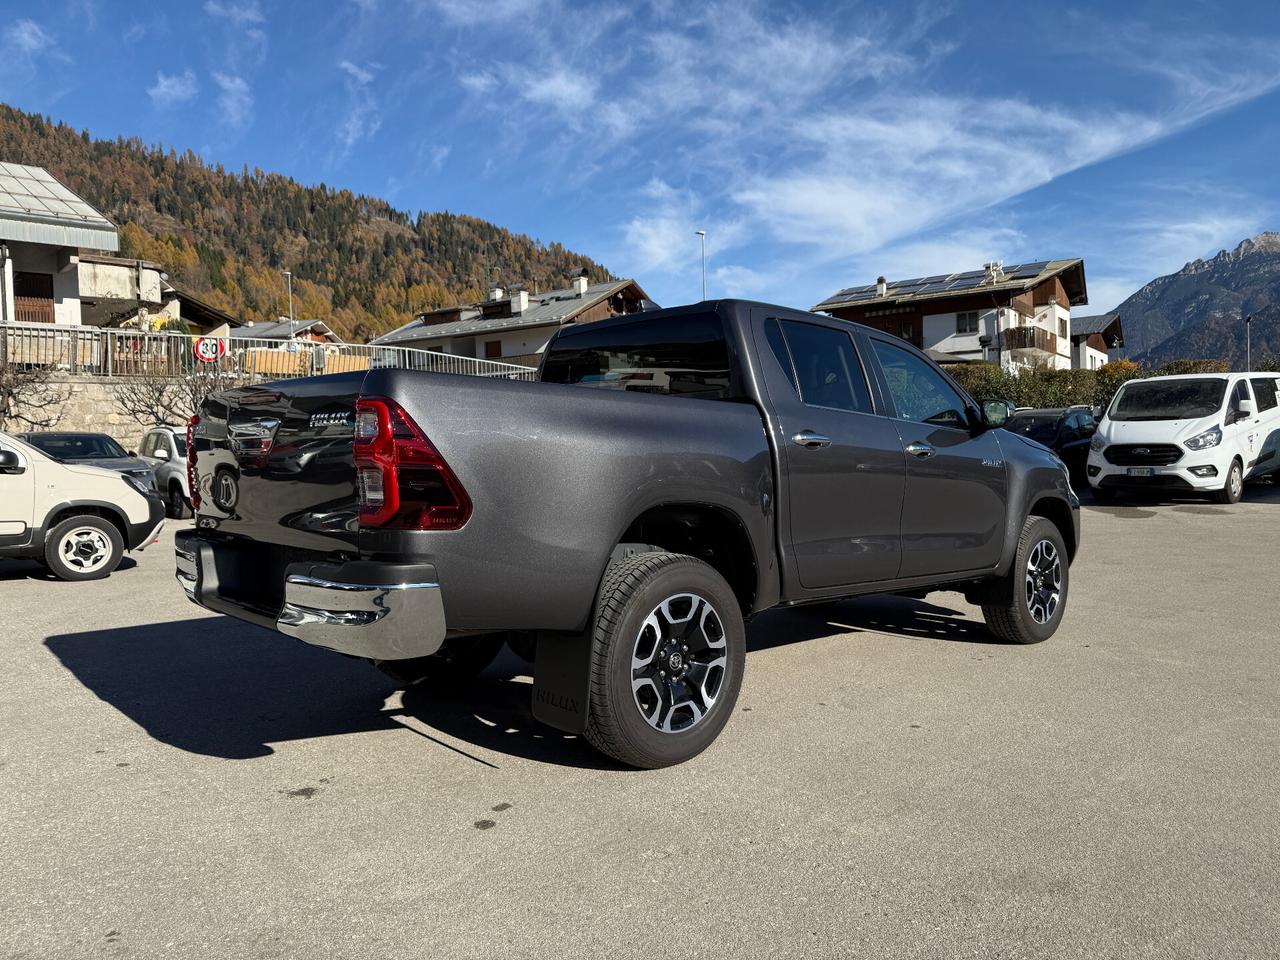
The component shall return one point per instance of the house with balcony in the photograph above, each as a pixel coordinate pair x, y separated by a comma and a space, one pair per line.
1093, 338
44, 227
1017, 316
514, 325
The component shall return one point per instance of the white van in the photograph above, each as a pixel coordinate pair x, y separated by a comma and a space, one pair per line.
1205, 433
75, 519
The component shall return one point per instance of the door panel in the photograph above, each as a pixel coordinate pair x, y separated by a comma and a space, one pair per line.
845, 496
17, 501
953, 509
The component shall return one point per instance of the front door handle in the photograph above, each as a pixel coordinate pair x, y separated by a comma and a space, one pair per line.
921, 450
810, 440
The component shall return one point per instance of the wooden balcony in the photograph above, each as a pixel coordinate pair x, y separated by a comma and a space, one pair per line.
1029, 340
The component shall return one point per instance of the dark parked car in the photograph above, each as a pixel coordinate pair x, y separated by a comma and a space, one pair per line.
675, 473
95, 449
1064, 430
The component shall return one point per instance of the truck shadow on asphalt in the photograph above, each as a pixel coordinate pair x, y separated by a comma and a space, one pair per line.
217, 687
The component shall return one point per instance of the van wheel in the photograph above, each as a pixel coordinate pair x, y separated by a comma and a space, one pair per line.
1233, 488
1026, 606
460, 660
668, 652
83, 548
175, 504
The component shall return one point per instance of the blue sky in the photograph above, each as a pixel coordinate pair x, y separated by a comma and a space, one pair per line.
818, 144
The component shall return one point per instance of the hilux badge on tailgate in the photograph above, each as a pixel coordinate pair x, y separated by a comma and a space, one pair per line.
329, 419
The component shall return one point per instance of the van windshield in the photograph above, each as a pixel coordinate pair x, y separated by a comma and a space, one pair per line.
1169, 399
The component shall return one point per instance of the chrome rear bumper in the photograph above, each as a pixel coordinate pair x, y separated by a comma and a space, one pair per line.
380, 611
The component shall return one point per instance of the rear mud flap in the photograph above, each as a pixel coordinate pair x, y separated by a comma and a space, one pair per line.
562, 680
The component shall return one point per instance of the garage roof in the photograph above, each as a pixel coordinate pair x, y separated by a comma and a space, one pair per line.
37, 208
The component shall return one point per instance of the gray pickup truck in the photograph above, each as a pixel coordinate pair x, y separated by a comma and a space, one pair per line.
674, 473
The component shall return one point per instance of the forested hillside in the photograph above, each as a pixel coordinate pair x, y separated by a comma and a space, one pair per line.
357, 262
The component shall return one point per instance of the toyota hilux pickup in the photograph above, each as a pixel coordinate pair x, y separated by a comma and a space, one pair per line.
672, 474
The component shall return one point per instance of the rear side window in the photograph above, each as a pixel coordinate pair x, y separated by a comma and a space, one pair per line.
1264, 388
683, 356
827, 372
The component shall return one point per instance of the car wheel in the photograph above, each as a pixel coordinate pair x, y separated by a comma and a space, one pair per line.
1027, 605
668, 652
1233, 488
460, 660
175, 504
83, 548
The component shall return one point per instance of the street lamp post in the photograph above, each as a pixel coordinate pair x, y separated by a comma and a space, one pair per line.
1248, 342
703, 235
288, 275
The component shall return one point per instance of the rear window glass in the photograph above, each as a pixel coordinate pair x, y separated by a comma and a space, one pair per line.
684, 356
1041, 428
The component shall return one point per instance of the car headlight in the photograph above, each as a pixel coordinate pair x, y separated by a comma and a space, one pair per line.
1098, 443
1203, 441
137, 484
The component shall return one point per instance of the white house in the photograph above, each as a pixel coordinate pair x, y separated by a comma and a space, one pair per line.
43, 228
1018, 316
1093, 338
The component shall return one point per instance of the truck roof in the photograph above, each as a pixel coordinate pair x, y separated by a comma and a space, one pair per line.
727, 307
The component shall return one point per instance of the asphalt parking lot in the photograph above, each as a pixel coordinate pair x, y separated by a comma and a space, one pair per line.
893, 784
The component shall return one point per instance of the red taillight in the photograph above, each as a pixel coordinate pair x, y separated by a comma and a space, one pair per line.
193, 484
403, 481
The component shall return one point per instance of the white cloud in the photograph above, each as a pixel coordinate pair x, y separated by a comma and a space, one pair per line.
235, 100
478, 82
564, 90
241, 14
173, 88
471, 12
361, 75
27, 38
134, 32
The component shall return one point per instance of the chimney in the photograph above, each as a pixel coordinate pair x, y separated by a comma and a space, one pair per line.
519, 302
579, 286
882, 286
497, 293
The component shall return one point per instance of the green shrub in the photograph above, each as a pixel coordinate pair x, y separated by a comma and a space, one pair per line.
1179, 368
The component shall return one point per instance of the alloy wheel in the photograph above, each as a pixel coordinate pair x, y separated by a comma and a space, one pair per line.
678, 663
85, 549
1043, 581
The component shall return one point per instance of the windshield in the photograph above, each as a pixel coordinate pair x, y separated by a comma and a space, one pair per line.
76, 446
1039, 427
1169, 399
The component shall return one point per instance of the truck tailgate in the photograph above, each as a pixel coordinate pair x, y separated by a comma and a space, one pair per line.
274, 464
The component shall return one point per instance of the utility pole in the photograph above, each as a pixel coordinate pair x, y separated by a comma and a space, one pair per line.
703, 235
1248, 342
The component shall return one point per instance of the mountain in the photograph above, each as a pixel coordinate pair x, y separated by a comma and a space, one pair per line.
1199, 311
357, 262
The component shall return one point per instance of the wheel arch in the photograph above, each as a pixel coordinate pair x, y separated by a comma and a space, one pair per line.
1057, 512
92, 508
711, 533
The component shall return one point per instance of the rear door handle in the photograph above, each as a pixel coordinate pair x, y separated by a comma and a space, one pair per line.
810, 440
921, 450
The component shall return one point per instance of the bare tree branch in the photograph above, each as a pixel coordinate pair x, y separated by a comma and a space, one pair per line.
29, 399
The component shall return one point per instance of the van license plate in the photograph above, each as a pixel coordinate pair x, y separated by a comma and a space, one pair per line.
1140, 471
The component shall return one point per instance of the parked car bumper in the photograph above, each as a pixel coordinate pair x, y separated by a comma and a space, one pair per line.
142, 535
376, 611
1191, 472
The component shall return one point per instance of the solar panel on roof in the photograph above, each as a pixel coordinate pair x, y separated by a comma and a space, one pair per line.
32, 192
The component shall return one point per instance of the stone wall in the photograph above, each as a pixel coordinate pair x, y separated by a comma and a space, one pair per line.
91, 406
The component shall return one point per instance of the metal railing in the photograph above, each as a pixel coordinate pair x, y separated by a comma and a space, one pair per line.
90, 351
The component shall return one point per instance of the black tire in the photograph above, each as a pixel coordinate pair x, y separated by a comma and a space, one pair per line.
460, 660
1011, 608
709, 659
83, 548
175, 504
1233, 486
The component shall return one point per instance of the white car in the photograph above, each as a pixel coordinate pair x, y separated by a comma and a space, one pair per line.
1202, 433
75, 519
165, 449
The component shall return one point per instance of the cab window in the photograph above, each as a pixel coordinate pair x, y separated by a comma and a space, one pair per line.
919, 392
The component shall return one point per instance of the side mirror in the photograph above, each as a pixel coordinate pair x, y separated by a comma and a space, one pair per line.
1247, 408
9, 463
996, 413
161, 453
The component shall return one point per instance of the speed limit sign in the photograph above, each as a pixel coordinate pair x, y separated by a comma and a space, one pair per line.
208, 349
